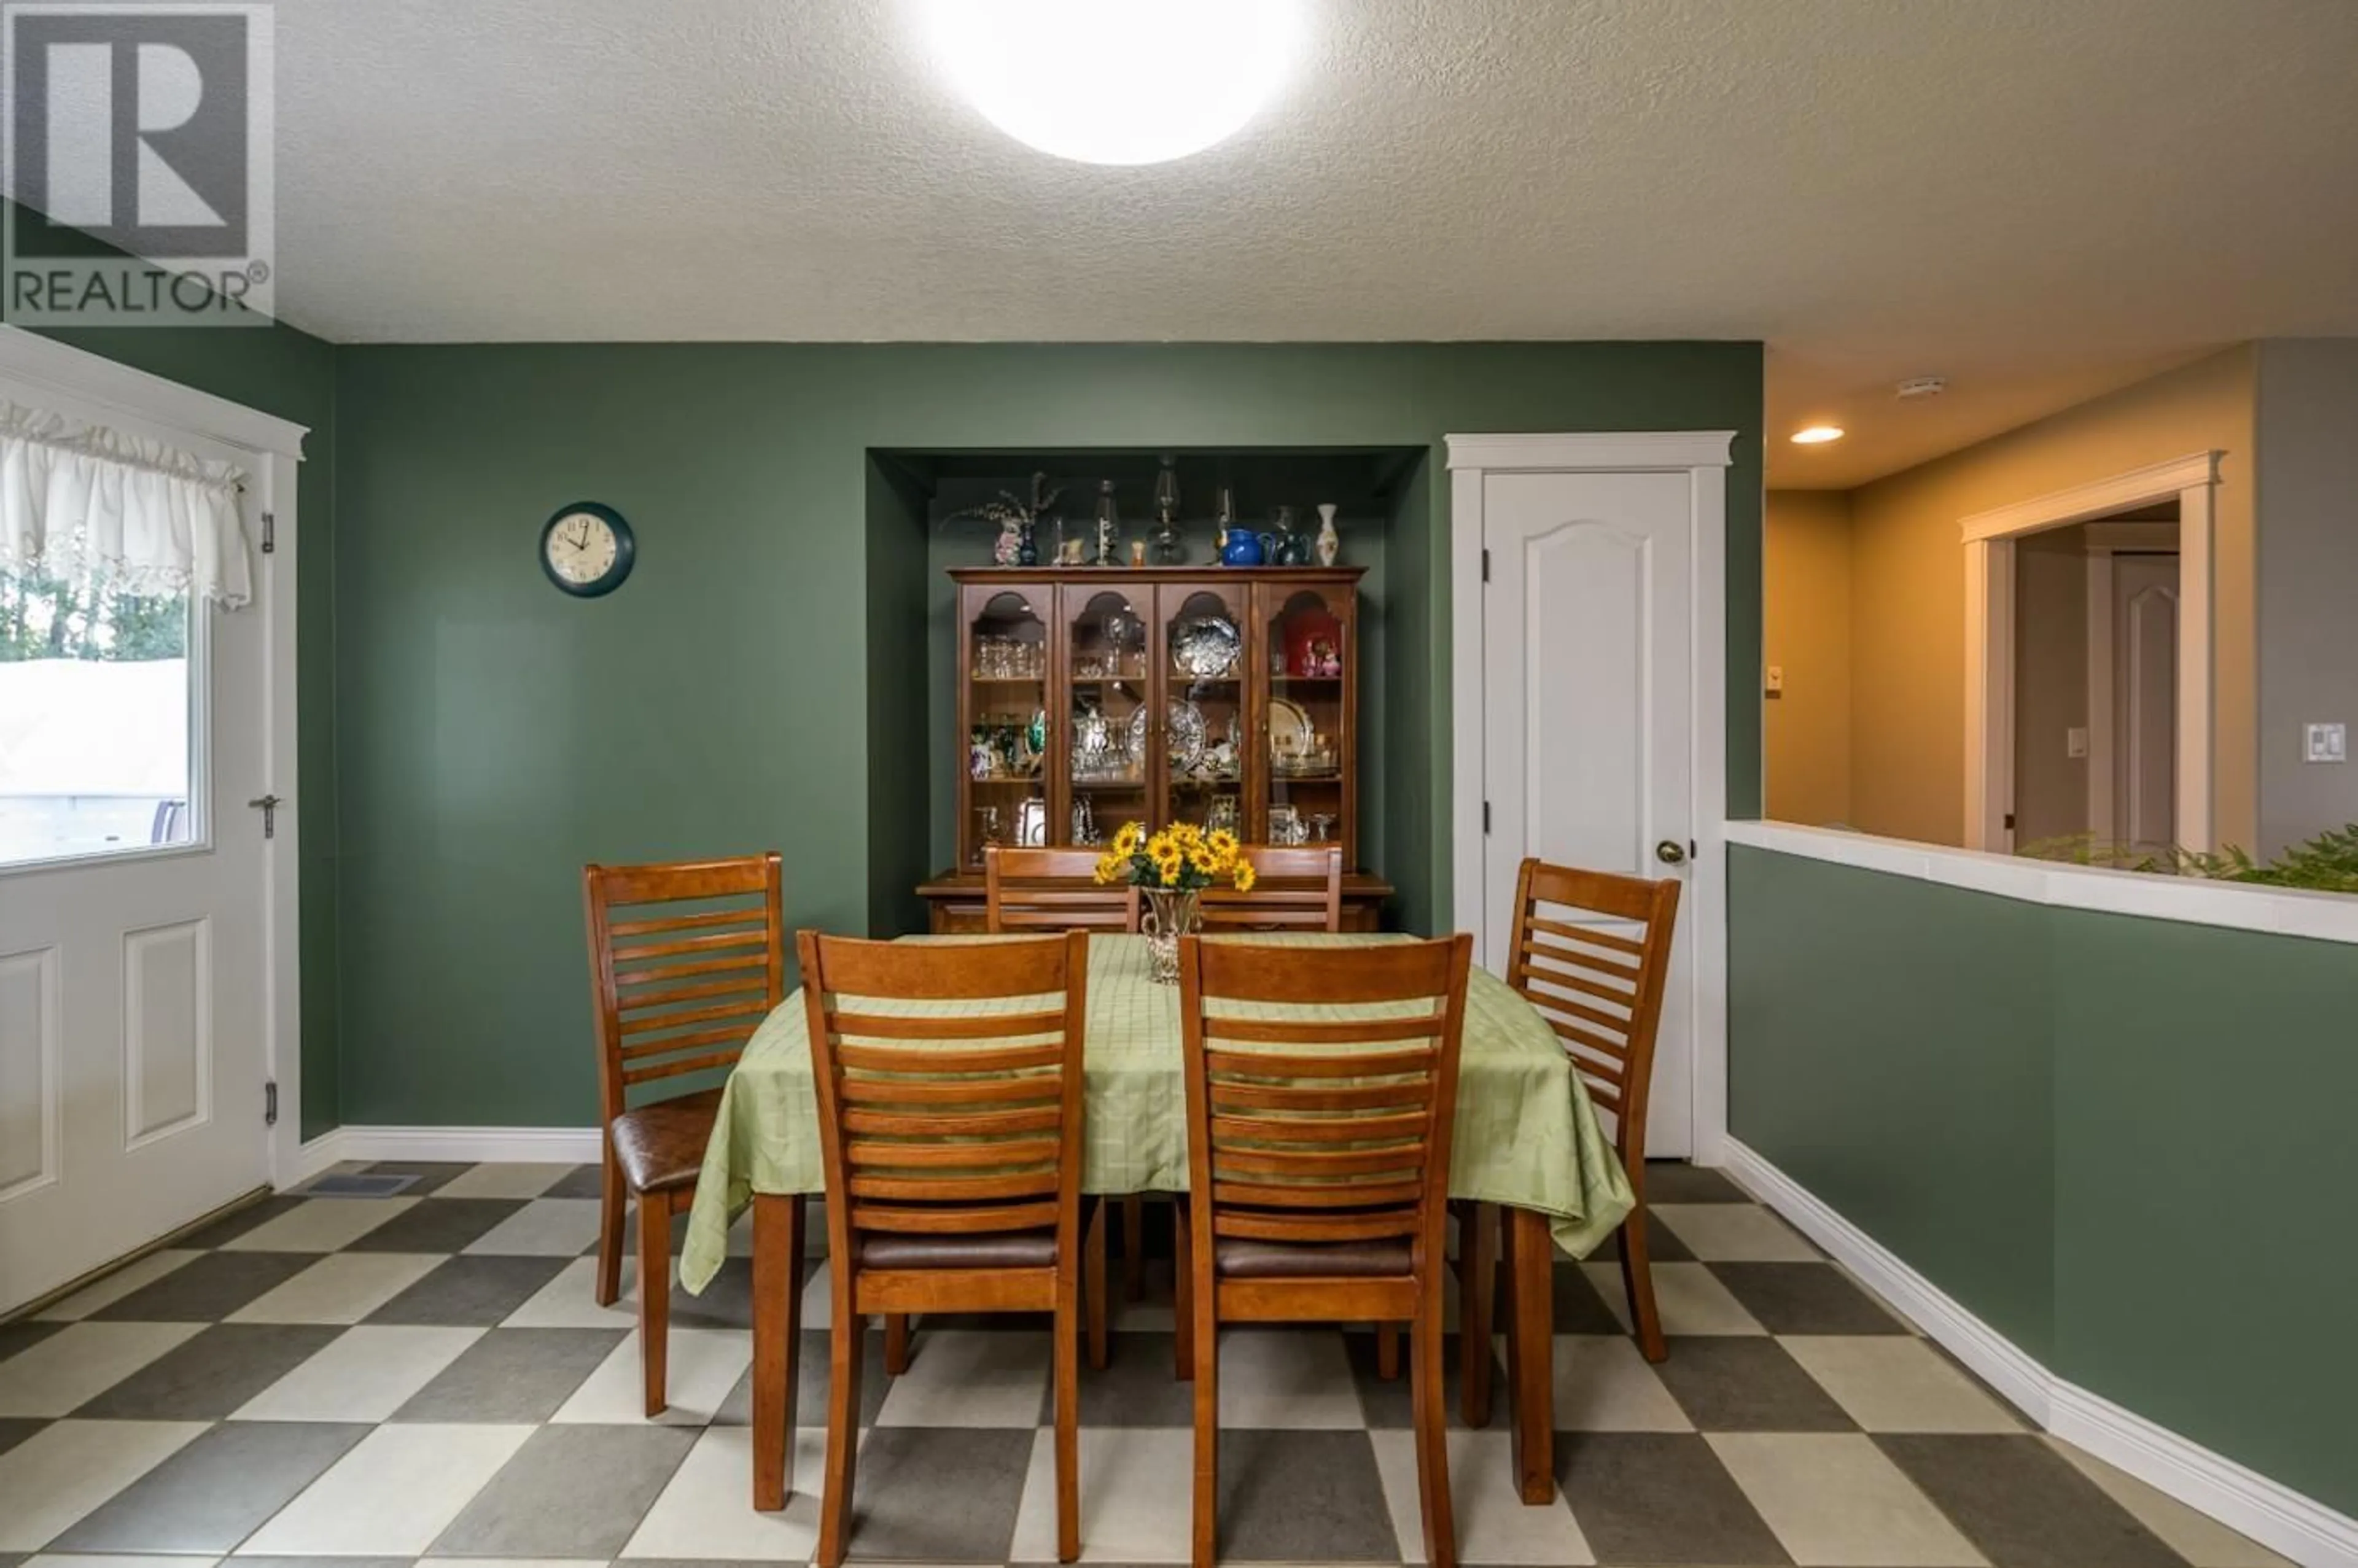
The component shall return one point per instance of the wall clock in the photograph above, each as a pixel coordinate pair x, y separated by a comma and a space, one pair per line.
587, 549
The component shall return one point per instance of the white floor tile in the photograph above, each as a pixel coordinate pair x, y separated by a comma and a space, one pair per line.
1136, 1496
115, 1560
1688, 1295
705, 1512
970, 1378
702, 1366
320, 1225
1836, 1500
569, 1301
1735, 1233
364, 1374
2203, 1540
1494, 1525
518, 1180
134, 1275
1603, 1384
398, 1488
545, 1227
52, 1478
518, 1561
74, 1365
1285, 1377
342, 1287
1892, 1384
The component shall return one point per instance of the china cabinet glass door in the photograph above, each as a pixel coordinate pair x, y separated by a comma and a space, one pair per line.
1204, 761
1004, 706
1109, 677
1307, 644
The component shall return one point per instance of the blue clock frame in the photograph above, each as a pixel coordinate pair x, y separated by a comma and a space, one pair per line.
626, 550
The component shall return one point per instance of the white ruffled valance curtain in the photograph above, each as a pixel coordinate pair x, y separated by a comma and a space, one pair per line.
91, 503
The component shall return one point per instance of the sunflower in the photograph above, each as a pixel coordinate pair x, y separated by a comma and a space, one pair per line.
1244, 876
1125, 842
1221, 842
1168, 864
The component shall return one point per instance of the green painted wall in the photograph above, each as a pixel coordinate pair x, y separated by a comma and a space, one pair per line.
2123, 1142
493, 735
291, 374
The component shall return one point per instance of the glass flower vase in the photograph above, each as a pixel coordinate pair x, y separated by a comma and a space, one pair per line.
1170, 913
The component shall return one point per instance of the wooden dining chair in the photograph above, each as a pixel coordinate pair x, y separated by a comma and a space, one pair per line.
685, 962
948, 1193
1295, 889
1601, 991
1052, 890
1318, 1166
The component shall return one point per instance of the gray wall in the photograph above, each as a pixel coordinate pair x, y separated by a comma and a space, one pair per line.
2307, 581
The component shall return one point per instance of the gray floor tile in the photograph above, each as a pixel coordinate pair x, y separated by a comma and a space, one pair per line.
328, 1562
14, 1430
469, 1292
1805, 1298
1578, 1308
1662, 1244
1740, 1383
1650, 1496
207, 1288
940, 1493
727, 1301
1302, 1497
215, 1492
15, 1336
1137, 1388
582, 1181
232, 1226
2024, 1505
1675, 1180
212, 1374
1390, 1404
570, 1491
432, 1174
446, 1225
513, 1375
813, 1373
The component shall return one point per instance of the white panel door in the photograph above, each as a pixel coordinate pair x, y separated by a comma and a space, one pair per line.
2145, 699
132, 1048
1587, 710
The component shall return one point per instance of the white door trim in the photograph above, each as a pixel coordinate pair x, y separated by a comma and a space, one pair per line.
1705, 457
271, 450
1989, 537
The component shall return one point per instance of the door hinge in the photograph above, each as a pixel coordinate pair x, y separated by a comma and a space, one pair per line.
268, 806
1485, 564
269, 531
1485, 816
270, 1103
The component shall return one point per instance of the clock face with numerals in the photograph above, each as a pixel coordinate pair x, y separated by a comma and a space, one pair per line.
587, 549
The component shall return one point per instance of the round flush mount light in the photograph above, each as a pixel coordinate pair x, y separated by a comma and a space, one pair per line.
1115, 82
1817, 435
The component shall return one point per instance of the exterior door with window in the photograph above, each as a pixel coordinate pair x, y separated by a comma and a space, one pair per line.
133, 911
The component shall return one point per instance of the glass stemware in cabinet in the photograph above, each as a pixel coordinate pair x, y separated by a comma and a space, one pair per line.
1309, 717
1007, 723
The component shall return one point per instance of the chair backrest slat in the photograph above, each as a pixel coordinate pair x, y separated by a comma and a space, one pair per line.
722, 919
1052, 890
1565, 968
1294, 888
1307, 1128
962, 1124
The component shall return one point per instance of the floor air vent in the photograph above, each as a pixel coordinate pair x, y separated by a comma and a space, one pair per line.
352, 1185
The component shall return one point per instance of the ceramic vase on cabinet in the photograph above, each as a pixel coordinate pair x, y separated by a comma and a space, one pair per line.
1330, 543
1170, 913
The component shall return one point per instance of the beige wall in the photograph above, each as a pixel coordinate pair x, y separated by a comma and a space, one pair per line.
1908, 589
1806, 632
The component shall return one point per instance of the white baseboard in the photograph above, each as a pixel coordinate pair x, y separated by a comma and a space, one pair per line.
549, 1145
2275, 1515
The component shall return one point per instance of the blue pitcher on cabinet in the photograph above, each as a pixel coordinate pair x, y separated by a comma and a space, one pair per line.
1240, 547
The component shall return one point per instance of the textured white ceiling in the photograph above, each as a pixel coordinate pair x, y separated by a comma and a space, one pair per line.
2038, 198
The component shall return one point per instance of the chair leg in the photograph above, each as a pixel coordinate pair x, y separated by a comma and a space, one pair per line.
1431, 1415
896, 1343
1204, 1330
1638, 1280
1068, 1422
1133, 1246
1387, 1352
1476, 1278
842, 1438
612, 1201
654, 1295
1093, 1284
1182, 1300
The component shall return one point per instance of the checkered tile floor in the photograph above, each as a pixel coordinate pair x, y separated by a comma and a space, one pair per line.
426, 1377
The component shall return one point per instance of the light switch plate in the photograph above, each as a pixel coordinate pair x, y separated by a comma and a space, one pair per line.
2328, 744
1776, 680
2075, 741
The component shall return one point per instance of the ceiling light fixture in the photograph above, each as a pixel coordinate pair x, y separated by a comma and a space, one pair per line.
1817, 435
1116, 81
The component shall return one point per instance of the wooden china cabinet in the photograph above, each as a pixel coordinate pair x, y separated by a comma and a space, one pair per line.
1092, 696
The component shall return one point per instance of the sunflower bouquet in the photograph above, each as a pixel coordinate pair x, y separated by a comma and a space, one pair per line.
1181, 858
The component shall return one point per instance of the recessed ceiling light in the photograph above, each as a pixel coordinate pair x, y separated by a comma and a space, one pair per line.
1817, 435
1116, 81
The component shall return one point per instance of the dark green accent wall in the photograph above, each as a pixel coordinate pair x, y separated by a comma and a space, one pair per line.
2123, 1142
493, 735
291, 374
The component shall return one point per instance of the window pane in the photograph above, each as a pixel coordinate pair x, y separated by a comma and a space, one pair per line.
94, 720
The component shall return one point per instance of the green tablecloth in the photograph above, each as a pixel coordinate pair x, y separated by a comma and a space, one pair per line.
1527, 1135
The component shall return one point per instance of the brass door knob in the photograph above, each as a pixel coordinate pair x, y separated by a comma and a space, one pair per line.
1669, 852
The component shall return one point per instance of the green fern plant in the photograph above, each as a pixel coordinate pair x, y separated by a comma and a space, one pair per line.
2327, 863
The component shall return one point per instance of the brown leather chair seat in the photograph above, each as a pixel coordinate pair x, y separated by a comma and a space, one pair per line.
1236, 1257
1004, 1249
661, 1146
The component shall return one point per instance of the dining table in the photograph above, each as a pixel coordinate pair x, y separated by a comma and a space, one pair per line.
1527, 1139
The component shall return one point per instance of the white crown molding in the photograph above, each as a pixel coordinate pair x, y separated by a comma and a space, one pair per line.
2273, 1514
2193, 901
77, 374
1620, 451
2155, 481
528, 1145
